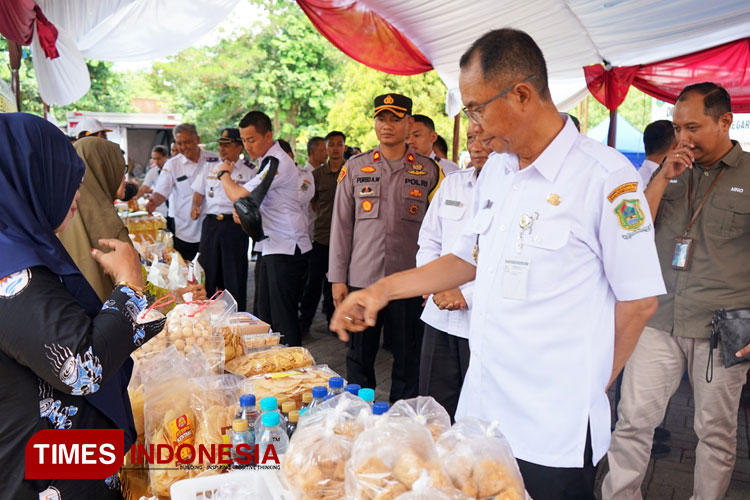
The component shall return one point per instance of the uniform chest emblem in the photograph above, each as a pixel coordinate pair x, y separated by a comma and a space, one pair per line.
553, 199
629, 214
368, 169
416, 193
367, 206
376, 156
417, 172
410, 158
413, 209
13, 284
366, 191
342, 174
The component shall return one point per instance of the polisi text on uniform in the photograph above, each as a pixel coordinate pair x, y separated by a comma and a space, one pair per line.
416, 182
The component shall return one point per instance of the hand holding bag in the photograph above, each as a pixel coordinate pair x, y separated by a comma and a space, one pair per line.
731, 329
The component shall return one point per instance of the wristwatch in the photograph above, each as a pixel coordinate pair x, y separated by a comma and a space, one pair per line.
221, 172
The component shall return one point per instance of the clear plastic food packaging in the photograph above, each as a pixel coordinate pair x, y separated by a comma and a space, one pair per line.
422, 410
479, 461
292, 384
270, 361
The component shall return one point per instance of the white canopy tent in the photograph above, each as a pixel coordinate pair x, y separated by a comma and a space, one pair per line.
571, 33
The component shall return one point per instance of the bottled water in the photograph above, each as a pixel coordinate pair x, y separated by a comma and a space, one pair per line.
272, 435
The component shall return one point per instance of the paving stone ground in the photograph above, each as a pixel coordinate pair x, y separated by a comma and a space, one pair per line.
669, 478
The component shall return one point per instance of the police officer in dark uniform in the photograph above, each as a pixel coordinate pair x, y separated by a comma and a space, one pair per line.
223, 245
380, 202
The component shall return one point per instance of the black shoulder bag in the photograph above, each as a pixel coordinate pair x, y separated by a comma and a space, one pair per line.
248, 208
731, 329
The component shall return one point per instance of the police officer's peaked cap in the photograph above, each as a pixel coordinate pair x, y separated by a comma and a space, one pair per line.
397, 104
230, 135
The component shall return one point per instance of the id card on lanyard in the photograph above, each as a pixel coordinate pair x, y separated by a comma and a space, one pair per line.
516, 268
683, 246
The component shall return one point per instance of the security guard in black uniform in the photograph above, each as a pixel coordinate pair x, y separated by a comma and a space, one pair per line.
223, 246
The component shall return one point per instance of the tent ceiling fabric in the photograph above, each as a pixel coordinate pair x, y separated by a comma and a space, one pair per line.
116, 30
571, 33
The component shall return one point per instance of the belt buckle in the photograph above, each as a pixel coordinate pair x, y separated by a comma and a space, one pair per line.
220, 217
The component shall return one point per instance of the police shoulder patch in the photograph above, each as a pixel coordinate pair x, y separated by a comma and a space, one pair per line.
342, 174
15, 283
629, 214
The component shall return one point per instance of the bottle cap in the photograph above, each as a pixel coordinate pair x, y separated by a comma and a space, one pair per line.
247, 400
270, 419
303, 411
367, 394
380, 407
269, 403
319, 391
281, 399
294, 416
353, 389
288, 406
307, 398
239, 425
336, 382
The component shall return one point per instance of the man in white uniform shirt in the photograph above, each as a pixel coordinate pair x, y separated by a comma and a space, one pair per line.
284, 224
223, 245
176, 178
445, 345
658, 140
422, 136
558, 303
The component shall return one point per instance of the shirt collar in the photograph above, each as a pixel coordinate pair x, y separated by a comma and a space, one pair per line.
649, 163
732, 158
551, 160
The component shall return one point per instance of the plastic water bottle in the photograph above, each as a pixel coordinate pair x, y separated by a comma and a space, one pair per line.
380, 407
272, 435
248, 412
318, 393
293, 421
328, 396
241, 435
306, 399
336, 385
367, 395
353, 389
286, 408
267, 405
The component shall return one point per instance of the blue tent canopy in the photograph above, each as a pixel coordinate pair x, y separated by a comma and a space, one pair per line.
629, 139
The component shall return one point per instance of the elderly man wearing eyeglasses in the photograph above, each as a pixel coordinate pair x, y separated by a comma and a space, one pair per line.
558, 301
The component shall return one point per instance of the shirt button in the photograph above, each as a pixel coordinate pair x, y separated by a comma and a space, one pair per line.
502, 227
515, 187
705, 174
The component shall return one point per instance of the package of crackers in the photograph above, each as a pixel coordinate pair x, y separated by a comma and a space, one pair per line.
274, 360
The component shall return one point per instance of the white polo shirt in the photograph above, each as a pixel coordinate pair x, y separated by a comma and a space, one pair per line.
177, 177
646, 171
208, 185
284, 221
540, 364
447, 166
449, 212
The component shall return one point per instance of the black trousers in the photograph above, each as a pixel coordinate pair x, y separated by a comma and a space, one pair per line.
281, 283
223, 249
401, 318
257, 278
442, 368
316, 282
187, 250
561, 483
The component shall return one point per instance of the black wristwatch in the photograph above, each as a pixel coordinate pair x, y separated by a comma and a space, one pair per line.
221, 172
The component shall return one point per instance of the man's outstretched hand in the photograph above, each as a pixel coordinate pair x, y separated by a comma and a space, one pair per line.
359, 311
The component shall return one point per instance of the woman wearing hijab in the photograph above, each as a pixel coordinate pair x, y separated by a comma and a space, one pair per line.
96, 217
64, 356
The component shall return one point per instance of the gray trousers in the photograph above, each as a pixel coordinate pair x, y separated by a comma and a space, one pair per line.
652, 375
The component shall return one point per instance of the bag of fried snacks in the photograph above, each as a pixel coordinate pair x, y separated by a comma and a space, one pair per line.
273, 360
292, 383
150, 314
422, 490
169, 420
387, 459
479, 461
214, 405
423, 410
314, 461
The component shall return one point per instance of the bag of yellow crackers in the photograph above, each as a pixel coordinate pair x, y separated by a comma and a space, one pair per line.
273, 360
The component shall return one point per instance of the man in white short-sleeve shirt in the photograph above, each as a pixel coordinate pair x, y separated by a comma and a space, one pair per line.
658, 140
566, 272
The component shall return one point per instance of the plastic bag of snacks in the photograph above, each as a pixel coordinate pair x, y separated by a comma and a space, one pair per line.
422, 490
423, 411
175, 278
191, 325
215, 404
169, 420
273, 360
387, 460
153, 313
479, 461
315, 460
292, 383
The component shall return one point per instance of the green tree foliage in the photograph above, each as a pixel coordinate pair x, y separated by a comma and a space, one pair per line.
281, 66
352, 112
636, 108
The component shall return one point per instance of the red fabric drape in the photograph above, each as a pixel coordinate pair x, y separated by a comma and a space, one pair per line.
365, 36
727, 65
17, 19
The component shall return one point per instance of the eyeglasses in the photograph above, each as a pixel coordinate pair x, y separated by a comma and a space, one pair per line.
475, 114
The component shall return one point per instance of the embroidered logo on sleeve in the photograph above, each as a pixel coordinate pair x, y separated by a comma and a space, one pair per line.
81, 373
342, 174
628, 187
15, 283
629, 214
